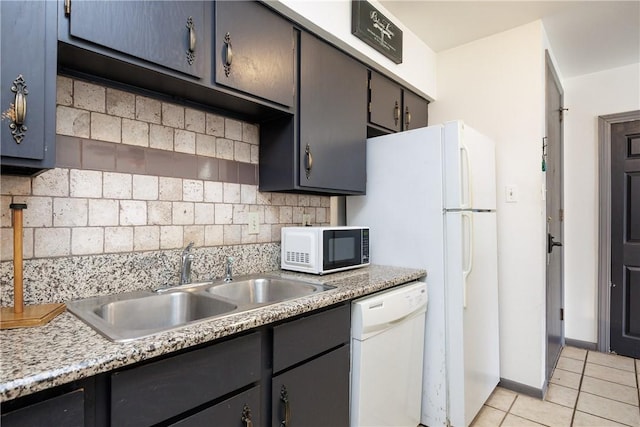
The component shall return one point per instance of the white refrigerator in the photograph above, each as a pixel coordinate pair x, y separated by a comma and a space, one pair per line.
431, 203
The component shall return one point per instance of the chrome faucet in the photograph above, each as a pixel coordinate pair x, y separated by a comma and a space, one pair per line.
185, 266
228, 276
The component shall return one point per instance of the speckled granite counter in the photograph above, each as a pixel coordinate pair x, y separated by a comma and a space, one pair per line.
67, 349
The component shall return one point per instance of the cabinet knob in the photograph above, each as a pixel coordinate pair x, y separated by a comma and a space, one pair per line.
228, 54
191, 52
396, 113
407, 118
246, 416
308, 160
18, 114
284, 398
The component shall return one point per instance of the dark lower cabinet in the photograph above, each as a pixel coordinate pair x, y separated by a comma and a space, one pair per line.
64, 410
313, 394
158, 391
310, 386
241, 410
295, 372
28, 86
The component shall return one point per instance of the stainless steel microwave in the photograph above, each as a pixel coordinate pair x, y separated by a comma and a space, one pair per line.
321, 250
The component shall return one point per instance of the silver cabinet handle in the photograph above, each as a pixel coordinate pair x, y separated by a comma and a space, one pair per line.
396, 113
308, 161
19, 114
284, 398
228, 54
246, 416
407, 118
191, 52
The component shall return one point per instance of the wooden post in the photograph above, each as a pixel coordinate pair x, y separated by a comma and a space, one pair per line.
18, 294
20, 316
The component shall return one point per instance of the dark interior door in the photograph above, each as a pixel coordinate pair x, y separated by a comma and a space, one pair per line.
553, 167
625, 238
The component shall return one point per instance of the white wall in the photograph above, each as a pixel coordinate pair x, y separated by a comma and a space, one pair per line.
587, 97
332, 19
496, 85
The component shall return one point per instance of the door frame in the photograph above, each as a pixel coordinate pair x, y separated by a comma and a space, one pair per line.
604, 223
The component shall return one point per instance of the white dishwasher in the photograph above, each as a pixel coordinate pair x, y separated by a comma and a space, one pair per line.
387, 345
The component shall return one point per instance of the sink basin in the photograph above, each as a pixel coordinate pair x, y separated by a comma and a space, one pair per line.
133, 315
264, 290
161, 311
138, 314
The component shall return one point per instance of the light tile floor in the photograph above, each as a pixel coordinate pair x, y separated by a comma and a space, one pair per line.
587, 388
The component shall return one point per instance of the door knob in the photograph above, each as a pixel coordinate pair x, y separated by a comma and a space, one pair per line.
551, 243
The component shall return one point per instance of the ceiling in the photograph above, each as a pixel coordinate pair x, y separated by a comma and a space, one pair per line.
585, 36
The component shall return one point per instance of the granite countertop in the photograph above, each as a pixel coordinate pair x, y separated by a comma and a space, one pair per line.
67, 349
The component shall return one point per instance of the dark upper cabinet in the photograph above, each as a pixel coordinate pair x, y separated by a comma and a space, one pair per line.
333, 91
321, 149
254, 51
385, 102
394, 108
170, 34
28, 85
414, 111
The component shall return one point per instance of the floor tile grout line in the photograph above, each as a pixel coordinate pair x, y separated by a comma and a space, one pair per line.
575, 404
613, 367
609, 381
509, 410
608, 398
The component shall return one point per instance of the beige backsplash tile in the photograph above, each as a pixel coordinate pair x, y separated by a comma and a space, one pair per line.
121, 103
139, 178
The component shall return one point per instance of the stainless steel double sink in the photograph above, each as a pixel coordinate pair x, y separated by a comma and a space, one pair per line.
132, 315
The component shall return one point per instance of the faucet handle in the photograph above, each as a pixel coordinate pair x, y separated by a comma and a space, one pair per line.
230, 260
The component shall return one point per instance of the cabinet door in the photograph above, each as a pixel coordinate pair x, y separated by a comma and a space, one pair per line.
385, 103
157, 391
254, 51
415, 111
166, 33
313, 394
28, 79
240, 410
301, 339
333, 96
64, 410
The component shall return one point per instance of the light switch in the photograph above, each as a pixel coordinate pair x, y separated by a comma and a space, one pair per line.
254, 223
511, 193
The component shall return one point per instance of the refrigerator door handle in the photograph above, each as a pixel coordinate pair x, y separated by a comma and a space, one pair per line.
465, 177
467, 244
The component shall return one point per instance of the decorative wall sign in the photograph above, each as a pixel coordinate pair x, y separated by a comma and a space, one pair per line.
376, 30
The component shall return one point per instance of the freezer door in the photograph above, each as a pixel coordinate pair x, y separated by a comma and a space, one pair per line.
473, 359
469, 168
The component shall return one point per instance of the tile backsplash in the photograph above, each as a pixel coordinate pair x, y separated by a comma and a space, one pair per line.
136, 180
